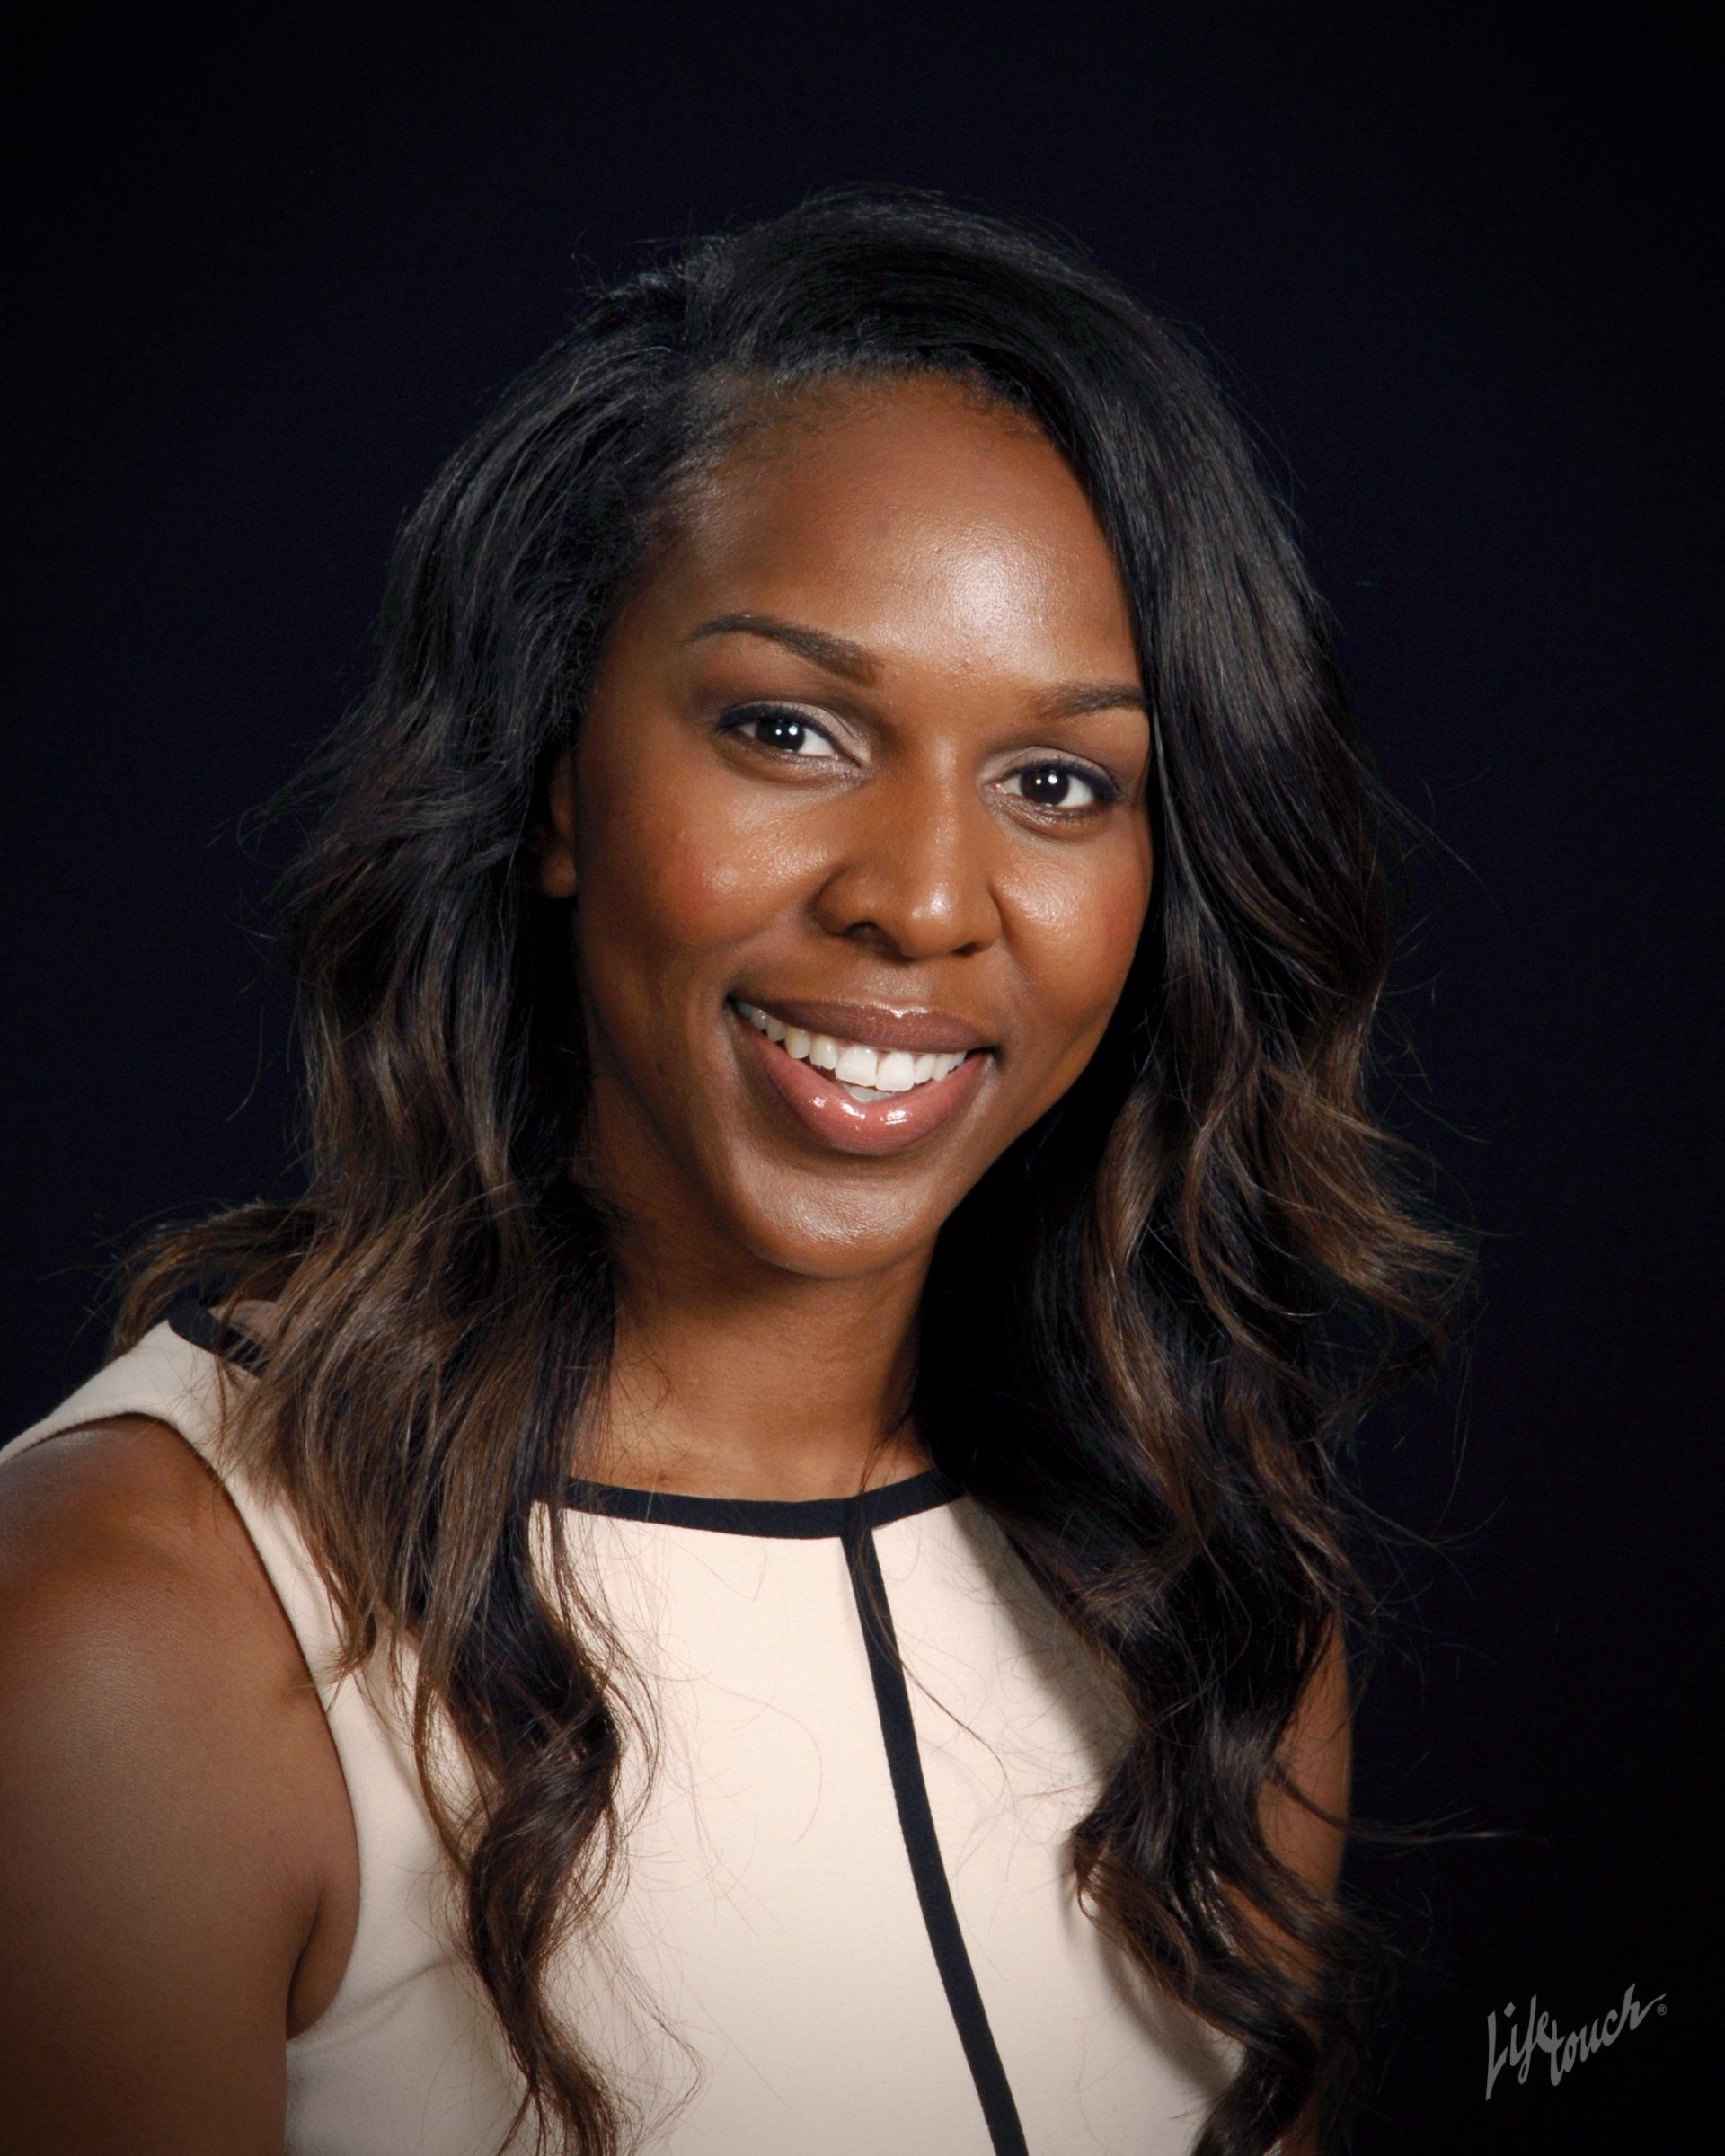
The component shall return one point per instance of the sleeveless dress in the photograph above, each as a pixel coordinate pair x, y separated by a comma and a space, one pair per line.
845, 1923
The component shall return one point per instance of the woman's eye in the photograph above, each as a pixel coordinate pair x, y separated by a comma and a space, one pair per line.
788, 733
1060, 786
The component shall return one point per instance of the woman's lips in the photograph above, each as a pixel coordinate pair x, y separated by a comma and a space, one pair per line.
819, 1101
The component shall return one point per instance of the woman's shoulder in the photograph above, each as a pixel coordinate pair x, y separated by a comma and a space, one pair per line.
130, 1591
157, 1701
122, 1509
119, 1490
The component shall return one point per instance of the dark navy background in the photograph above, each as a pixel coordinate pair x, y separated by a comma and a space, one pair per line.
1454, 266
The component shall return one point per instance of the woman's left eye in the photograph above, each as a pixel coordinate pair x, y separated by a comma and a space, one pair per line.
1061, 786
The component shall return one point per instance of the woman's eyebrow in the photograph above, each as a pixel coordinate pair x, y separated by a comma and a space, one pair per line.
1077, 698
838, 655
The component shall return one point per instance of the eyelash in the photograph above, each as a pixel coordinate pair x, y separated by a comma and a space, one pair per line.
1101, 785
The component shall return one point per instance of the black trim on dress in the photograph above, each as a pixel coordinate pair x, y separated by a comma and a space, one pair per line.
916, 1824
192, 1322
801, 1519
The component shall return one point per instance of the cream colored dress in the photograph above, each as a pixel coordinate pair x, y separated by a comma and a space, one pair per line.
846, 1924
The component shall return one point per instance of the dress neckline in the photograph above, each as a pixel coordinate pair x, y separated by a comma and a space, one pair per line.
796, 1519
793, 1519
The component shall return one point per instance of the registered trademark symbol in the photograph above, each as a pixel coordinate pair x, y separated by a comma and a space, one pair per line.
1661, 2006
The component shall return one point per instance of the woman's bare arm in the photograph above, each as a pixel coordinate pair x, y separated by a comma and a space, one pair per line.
1318, 1755
158, 1885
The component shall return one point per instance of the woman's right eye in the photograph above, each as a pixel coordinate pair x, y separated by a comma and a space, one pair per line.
786, 733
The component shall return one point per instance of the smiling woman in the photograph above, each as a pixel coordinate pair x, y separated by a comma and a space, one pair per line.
792, 1431
867, 752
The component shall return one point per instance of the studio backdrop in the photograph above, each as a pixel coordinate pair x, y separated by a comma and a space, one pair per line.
1452, 268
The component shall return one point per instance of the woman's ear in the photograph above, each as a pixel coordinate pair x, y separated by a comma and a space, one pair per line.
554, 830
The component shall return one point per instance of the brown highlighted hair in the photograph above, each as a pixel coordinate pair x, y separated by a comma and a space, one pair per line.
1149, 1330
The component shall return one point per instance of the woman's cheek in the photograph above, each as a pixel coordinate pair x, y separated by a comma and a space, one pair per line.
1079, 924
678, 853
710, 881
696, 887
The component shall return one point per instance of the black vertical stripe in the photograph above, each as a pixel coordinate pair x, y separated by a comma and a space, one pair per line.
916, 1824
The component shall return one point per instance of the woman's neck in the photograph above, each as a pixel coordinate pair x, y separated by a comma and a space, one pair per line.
729, 1378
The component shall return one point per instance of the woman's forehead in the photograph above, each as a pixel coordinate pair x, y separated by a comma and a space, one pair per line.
905, 517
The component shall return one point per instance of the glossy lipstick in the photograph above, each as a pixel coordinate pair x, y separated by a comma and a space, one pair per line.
838, 1051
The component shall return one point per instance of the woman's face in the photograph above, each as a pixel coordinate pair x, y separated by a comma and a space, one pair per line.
860, 790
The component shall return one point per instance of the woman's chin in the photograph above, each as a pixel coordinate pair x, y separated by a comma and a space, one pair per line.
822, 1233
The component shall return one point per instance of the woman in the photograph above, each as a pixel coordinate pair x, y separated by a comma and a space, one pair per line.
792, 1428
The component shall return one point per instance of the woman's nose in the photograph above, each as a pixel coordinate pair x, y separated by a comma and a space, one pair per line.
914, 871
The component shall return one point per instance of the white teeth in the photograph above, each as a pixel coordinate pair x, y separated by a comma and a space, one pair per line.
857, 1065
866, 1073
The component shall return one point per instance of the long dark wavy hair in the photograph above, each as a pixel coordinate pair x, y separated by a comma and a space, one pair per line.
1141, 1341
